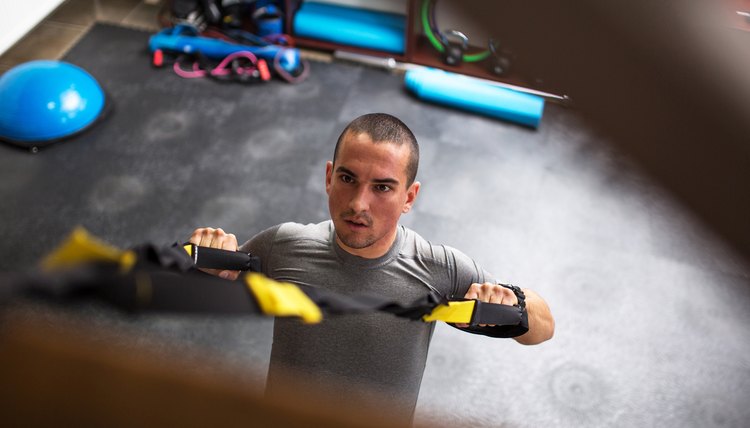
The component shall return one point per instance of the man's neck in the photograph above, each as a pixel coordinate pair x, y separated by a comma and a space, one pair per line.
374, 251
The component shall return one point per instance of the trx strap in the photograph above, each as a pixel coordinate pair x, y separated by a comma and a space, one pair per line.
166, 279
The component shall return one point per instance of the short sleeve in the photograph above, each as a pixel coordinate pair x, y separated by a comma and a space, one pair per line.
261, 246
465, 272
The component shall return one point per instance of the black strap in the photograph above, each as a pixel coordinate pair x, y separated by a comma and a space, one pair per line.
165, 279
507, 321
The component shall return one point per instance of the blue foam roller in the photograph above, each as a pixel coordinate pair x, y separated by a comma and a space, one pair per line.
475, 95
344, 25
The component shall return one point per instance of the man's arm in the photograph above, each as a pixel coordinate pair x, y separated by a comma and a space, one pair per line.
541, 322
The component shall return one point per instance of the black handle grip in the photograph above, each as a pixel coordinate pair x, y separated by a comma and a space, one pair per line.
215, 258
492, 313
509, 321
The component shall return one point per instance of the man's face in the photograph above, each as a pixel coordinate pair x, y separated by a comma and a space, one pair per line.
367, 194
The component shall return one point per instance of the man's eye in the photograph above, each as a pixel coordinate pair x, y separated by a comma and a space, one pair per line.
346, 179
383, 188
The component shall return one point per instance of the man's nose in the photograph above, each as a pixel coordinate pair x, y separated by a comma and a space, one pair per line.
360, 202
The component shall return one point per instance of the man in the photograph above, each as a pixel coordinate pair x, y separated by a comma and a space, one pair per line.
370, 183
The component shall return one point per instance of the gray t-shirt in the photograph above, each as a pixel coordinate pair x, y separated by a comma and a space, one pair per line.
371, 355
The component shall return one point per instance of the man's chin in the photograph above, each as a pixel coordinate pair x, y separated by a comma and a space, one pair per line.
353, 242
356, 244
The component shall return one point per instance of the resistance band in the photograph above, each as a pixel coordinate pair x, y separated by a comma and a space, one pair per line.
242, 66
151, 278
183, 39
428, 11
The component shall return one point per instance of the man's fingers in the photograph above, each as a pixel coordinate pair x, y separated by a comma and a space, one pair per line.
501, 296
496, 298
509, 297
216, 238
203, 236
482, 292
195, 238
224, 274
229, 274
476, 291
209, 238
491, 293
473, 291
230, 242
223, 240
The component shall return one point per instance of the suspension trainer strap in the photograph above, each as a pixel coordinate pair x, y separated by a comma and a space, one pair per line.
149, 278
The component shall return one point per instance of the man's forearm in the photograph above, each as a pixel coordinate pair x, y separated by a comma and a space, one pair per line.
541, 323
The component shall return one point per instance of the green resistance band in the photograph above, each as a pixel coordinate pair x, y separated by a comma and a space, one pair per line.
437, 44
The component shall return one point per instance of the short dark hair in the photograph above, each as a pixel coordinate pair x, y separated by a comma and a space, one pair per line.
384, 128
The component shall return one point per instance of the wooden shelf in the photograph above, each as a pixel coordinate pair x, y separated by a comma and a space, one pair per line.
425, 54
418, 50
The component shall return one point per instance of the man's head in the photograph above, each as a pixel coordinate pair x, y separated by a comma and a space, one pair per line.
370, 183
384, 128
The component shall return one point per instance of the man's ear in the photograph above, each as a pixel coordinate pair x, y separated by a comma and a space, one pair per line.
411, 196
329, 176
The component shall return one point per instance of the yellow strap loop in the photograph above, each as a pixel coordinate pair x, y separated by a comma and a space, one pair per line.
80, 247
282, 299
453, 312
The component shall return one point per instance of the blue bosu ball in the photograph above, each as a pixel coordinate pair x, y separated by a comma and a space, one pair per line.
45, 101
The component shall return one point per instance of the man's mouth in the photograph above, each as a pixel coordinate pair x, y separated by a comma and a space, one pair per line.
355, 223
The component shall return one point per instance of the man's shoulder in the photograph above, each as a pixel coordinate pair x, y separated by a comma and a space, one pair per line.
416, 246
298, 231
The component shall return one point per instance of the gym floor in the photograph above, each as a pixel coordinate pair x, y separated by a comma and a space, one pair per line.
57, 33
651, 307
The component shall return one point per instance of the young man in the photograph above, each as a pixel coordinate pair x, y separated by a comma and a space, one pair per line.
362, 249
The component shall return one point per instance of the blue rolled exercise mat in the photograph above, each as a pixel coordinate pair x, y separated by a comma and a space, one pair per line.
350, 26
475, 95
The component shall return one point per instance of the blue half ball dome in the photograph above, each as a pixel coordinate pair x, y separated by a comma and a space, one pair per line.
43, 101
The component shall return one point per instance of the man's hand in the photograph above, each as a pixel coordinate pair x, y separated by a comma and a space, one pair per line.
216, 238
490, 293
